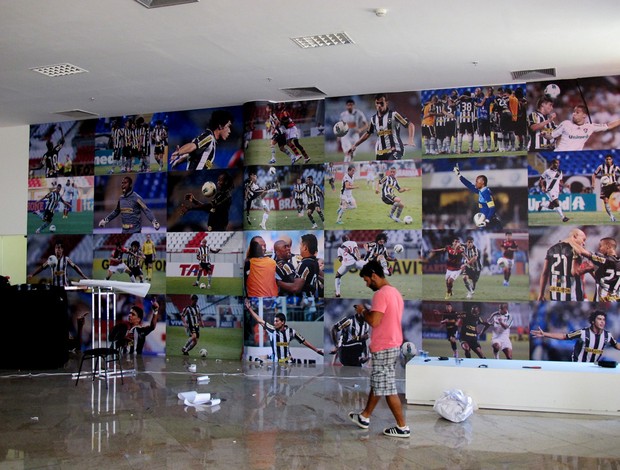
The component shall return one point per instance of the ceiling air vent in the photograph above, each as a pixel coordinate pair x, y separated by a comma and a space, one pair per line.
322, 40
308, 92
534, 74
59, 70
163, 3
77, 114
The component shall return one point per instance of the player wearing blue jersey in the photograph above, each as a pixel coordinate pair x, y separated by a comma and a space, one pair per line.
486, 204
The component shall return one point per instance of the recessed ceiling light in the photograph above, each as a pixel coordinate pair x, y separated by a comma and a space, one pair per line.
59, 70
163, 3
322, 40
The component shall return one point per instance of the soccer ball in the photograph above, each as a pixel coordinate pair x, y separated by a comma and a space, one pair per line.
52, 261
501, 262
408, 219
272, 171
408, 350
552, 91
203, 352
605, 180
340, 129
52, 228
203, 285
209, 188
398, 248
480, 220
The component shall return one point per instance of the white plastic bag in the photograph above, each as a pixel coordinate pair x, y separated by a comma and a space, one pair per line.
454, 405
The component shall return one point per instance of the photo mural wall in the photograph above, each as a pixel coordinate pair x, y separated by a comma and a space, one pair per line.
491, 208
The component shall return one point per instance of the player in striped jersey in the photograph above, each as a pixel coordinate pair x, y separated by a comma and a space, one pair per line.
159, 139
134, 261
50, 203
609, 173
192, 321
280, 336
591, 341
314, 194
472, 267
449, 143
540, 124
357, 123
377, 251
604, 266
466, 112
255, 191
143, 143
128, 145
49, 160
389, 186
350, 336
117, 137
203, 255
386, 124
558, 267
200, 152
299, 190
58, 272
551, 184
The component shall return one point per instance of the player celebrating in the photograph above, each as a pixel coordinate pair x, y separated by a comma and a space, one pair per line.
575, 133
486, 203
386, 124
551, 184
313, 200
389, 184
347, 201
508, 246
558, 268
203, 255
605, 268
609, 173
349, 257
356, 123
454, 263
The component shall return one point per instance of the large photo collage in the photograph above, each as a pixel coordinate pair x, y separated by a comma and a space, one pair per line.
492, 210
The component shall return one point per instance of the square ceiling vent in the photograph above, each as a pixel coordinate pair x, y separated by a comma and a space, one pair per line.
163, 3
534, 74
59, 70
322, 40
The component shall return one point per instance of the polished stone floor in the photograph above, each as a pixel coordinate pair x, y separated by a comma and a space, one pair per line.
282, 417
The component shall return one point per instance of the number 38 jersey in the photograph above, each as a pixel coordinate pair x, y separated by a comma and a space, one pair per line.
559, 262
607, 277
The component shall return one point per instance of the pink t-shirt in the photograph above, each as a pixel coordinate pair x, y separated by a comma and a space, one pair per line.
388, 333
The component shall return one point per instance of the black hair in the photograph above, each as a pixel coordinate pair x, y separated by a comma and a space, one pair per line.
372, 267
138, 311
220, 118
309, 239
595, 314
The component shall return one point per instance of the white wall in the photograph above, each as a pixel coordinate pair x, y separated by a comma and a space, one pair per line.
14, 160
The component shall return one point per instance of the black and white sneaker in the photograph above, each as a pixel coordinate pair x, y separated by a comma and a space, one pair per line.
357, 419
395, 431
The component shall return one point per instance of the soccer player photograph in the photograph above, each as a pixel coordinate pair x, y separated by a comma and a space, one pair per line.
475, 193
608, 173
59, 261
581, 333
127, 213
388, 131
205, 201
284, 133
205, 139
584, 119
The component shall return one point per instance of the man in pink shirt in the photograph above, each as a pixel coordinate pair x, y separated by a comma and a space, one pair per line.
385, 317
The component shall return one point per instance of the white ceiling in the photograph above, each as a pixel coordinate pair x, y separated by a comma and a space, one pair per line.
222, 53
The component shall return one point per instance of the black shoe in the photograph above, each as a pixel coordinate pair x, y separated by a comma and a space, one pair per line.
539, 207
248, 220
565, 219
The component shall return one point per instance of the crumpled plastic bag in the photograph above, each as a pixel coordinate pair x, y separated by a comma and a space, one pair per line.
454, 406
